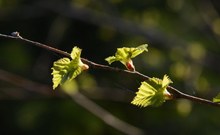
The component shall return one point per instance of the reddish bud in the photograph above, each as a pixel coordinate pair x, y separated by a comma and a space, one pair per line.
130, 65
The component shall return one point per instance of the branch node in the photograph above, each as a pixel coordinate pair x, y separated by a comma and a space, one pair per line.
16, 34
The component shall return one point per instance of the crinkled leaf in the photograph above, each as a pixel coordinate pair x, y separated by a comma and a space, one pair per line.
152, 92
76, 52
166, 81
217, 99
144, 95
59, 71
111, 59
158, 83
64, 69
126, 53
138, 50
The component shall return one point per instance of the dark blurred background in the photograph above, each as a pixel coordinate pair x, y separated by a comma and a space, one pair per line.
184, 42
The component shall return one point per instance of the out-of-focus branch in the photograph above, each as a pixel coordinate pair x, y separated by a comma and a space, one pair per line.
104, 115
79, 98
24, 83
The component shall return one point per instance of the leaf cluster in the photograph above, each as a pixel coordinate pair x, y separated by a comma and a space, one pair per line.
152, 92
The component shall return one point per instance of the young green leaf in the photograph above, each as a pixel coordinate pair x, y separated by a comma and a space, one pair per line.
125, 55
64, 69
216, 99
153, 93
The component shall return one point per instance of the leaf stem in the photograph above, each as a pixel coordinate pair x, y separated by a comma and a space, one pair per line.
175, 92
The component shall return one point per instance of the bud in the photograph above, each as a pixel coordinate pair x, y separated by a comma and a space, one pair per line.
83, 66
129, 65
167, 95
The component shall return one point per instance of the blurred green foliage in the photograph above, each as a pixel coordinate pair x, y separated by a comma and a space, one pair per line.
183, 38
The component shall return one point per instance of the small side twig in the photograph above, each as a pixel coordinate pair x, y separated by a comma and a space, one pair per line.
176, 93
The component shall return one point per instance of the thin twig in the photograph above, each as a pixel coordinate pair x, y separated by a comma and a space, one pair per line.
176, 93
16, 35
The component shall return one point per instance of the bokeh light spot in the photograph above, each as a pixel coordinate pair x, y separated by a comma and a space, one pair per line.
184, 107
216, 26
196, 51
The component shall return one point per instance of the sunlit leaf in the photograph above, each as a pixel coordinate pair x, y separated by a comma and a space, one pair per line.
111, 59
217, 98
166, 81
138, 50
125, 54
76, 52
152, 93
59, 72
64, 69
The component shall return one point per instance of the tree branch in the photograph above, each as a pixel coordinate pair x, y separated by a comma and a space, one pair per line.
175, 92
104, 115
